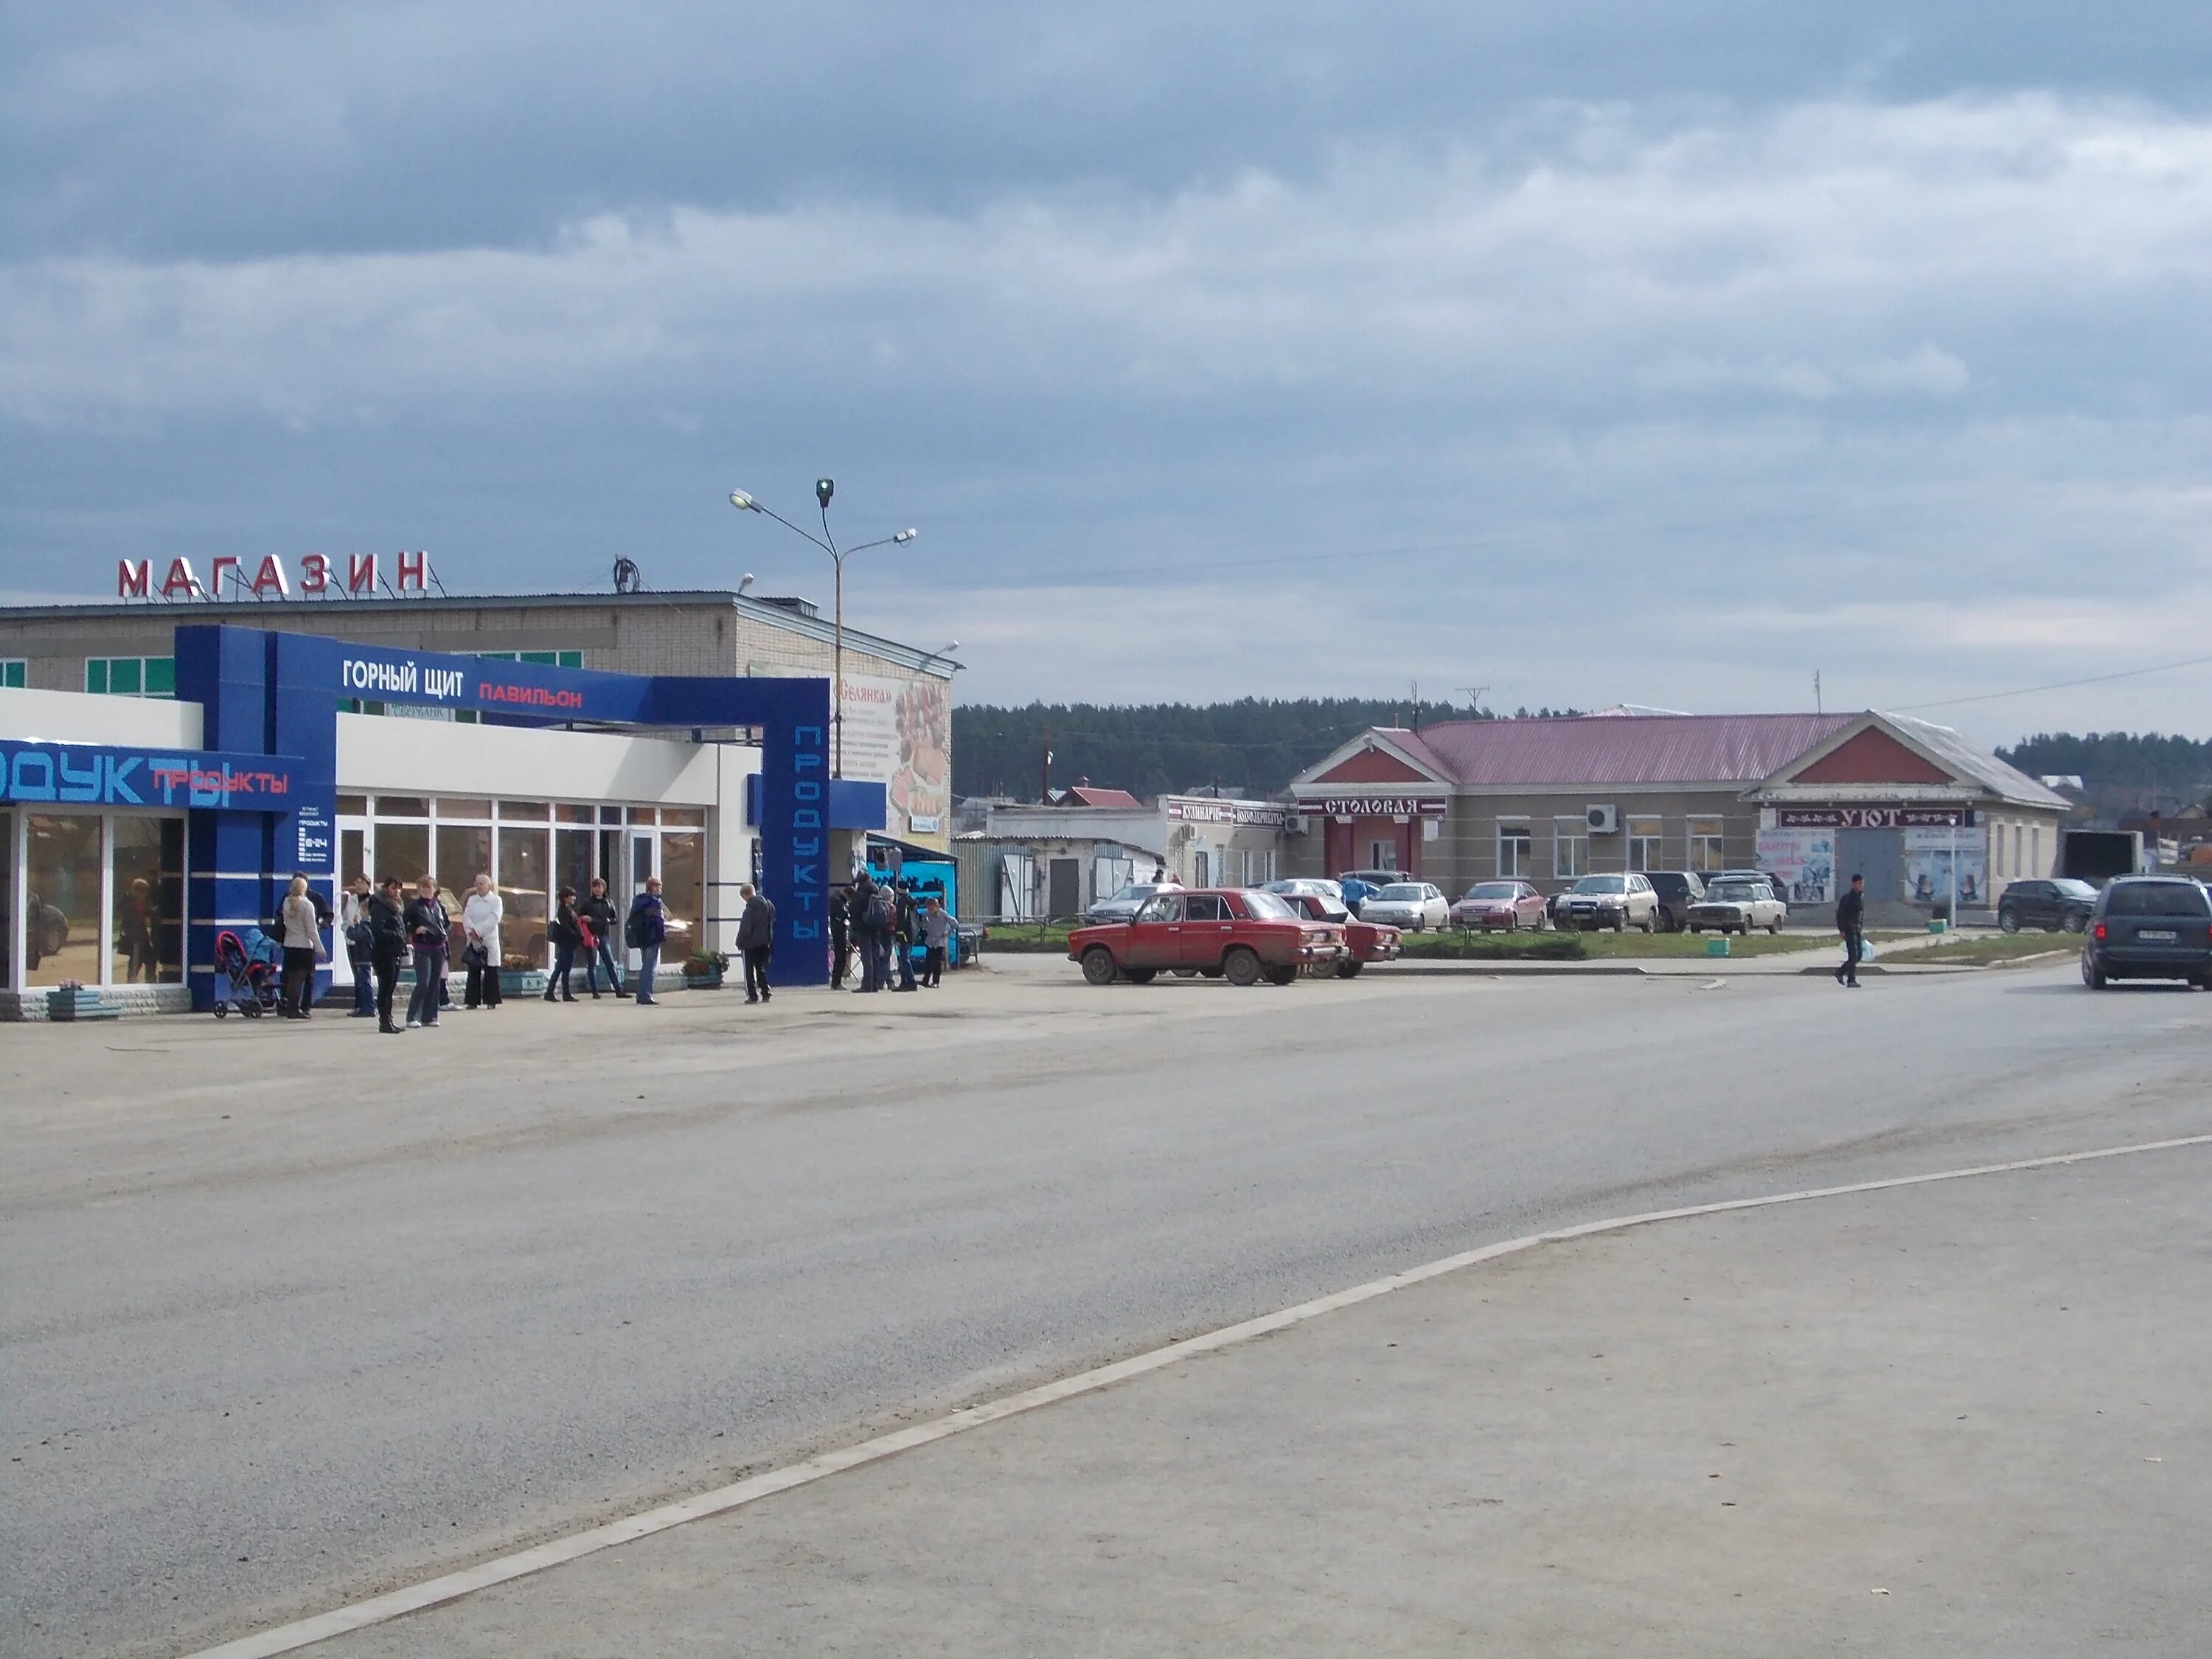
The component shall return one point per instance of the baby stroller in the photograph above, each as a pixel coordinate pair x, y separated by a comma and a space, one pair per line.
249, 969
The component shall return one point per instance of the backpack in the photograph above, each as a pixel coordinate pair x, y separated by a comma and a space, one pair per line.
882, 909
633, 928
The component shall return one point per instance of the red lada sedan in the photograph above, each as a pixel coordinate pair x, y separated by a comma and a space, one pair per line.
1220, 932
1364, 941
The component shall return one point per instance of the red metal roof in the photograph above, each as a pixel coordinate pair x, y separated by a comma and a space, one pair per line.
1085, 794
1619, 749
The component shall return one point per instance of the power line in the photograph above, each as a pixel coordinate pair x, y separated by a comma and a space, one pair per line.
2056, 685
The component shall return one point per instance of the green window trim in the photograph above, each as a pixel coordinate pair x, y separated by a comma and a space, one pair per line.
131, 677
14, 673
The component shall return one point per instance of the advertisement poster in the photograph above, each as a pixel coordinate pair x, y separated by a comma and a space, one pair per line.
1928, 866
899, 733
1803, 860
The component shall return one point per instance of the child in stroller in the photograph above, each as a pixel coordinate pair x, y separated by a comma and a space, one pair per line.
249, 967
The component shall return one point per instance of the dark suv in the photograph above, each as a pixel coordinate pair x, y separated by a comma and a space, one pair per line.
2045, 904
1678, 890
2149, 927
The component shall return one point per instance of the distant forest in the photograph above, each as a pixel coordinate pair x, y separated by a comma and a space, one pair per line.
1251, 746
1255, 746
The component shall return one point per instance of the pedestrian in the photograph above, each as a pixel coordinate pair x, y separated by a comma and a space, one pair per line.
756, 939
862, 905
480, 919
937, 926
645, 932
137, 931
303, 945
905, 930
597, 919
360, 956
429, 928
1850, 923
567, 933
841, 936
387, 947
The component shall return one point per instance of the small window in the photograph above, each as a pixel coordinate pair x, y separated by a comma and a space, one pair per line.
1643, 844
683, 817
131, 677
1516, 849
526, 812
1205, 907
403, 806
352, 806
1162, 906
463, 807
1706, 845
1570, 847
14, 670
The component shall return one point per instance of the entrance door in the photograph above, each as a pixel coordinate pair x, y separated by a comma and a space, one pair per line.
1066, 893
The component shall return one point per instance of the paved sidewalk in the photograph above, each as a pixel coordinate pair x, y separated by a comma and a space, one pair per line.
1965, 1418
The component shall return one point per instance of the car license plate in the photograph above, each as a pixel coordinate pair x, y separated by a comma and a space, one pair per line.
2157, 935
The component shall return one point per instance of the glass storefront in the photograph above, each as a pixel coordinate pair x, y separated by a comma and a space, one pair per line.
146, 935
101, 901
61, 902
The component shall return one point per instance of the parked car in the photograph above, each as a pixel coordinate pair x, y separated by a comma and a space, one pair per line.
1321, 886
2046, 904
2149, 927
1414, 905
1732, 905
1616, 902
1511, 905
1241, 934
1127, 902
1372, 877
1678, 890
1364, 941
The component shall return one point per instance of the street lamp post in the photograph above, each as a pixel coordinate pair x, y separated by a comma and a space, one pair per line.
823, 490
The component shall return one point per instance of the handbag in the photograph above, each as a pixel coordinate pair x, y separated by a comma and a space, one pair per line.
476, 955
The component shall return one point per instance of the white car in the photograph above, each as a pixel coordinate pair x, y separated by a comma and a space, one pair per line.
1414, 906
1734, 905
1124, 905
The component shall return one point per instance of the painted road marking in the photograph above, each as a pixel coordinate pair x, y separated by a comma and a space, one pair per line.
453, 1586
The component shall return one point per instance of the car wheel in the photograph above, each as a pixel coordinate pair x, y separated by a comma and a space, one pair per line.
1695, 928
1651, 923
1098, 965
1774, 930
2009, 922
1285, 975
1348, 968
1242, 966
1621, 922
2091, 976
1141, 975
1513, 924
2074, 921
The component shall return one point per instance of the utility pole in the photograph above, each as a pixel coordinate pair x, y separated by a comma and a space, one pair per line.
1044, 774
1474, 699
1817, 708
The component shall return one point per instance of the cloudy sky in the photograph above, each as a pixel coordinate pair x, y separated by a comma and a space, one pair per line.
1590, 351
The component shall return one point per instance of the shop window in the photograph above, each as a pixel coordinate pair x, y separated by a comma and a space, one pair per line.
1569, 848
1706, 849
1382, 854
1110, 875
1643, 850
572, 861
131, 677
524, 811
463, 854
403, 806
14, 670
352, 806
146, 932
547, 659
1516, 848
458, 807
684, 889
1201, 870
62, 923
566, 813
683, 817
522, 890
401, 850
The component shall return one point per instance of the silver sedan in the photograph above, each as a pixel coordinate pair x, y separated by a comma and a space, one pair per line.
1412, 905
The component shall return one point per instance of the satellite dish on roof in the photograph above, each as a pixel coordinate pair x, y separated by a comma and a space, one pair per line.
628, 578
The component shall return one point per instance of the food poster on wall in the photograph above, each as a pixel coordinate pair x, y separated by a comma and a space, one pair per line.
1803, 860
1928, 866
899, 733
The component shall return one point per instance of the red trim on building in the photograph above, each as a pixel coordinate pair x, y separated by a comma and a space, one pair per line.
1372, 766
1873, 757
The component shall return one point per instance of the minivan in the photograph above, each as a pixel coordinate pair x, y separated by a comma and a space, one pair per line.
2149, 927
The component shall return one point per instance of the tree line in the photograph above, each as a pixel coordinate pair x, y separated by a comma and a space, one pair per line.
2173, 770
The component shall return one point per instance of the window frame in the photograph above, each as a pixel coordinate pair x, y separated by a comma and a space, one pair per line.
1520, 829
14, 673
1570, 830
143, 670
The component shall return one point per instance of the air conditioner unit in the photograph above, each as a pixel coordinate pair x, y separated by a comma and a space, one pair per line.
1295, 825
1603, 820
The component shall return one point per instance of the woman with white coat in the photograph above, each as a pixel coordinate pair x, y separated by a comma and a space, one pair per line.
302, 945
480, 919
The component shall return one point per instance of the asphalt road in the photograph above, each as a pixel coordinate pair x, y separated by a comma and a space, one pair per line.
294, 1314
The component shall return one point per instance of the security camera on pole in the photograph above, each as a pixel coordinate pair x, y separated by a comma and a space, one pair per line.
823, 490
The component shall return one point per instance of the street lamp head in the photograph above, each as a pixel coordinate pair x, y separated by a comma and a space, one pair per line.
906, 535
746, 584
823, 490
744, 502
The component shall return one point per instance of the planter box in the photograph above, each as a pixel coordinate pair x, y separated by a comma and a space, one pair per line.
522, 982
65, 1003
703, 982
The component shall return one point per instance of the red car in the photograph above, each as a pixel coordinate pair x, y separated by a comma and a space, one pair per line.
1511, 905
1364, 941
1219, 931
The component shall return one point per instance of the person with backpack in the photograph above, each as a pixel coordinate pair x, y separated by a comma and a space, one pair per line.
597, 919
883, 922
387, 947
645, 932
756, 939
906, 931
353, 923
860, 906
567, 933
429, 928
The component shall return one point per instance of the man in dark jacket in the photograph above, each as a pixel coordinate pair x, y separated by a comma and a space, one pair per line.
865, 933
645, 932
841, 937
1850, 923
387, 947
756, 939
906, 930
599, 914
429, 928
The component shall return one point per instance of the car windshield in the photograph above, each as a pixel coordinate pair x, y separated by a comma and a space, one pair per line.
1598, 885
1502, 889
2156, 898
2068, 888
1728, 890
1266, 907
1405, 891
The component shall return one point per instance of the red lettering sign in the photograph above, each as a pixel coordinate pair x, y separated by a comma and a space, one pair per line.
314, 573
269, 579
414, 570
361, 573
222, 561
133, 581
181, 580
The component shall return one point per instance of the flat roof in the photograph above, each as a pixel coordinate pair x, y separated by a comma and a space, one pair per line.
792, 615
